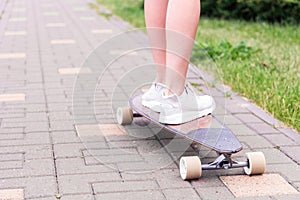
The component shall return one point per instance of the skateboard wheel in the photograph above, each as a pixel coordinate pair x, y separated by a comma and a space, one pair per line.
124, 115
190, 167
256, 163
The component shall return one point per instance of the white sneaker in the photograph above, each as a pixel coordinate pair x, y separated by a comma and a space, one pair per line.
186, 107
153, 97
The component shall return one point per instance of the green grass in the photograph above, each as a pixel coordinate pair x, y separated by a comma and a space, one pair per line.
258, 60
130, 10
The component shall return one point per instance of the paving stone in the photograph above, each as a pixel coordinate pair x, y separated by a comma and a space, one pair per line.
8, 115
80, 9
76, 70
293, 152
162, 134
57, 99
15, 33
35, 99
214, 193
87, 139
112, 130
275, 156
262, 114
77, 197
28, 168
110, 152
176, 145
12, 97
248, 118
48, 5
59, 116
18, 9
255, 198
58, 107
241, 129
34, 187
18, 19
59, 137
30, 152
15, 194
219, 96
101, 31
4, 137
287, 196
262, 128
62, 126
50, 13
67, 41
81, 183
149, 147
144, 166
11, 165
297, 185
162, 160
264, 185
44, 198
29, 117
36, 127
86, 130
279, 140
166, 178
179, 194
96, 160
139, 133
124, 186
35, 108
220, 111
67, 166
87, 18
122, 144
11, 156
289, 171
145, 195
68, 150
207, 181
90, 145
291, 133
255, 142
235, 109
229, 119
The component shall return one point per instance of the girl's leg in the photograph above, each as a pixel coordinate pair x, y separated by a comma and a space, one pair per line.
155, 16
181, 27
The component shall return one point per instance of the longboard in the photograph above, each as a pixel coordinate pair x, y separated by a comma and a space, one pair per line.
207, 131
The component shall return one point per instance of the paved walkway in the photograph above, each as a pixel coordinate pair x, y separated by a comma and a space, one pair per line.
49, 149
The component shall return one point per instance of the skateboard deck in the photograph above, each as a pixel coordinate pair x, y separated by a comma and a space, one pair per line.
207, 131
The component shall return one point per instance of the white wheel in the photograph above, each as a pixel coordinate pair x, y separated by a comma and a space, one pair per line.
256, 163
124, 115
190, 167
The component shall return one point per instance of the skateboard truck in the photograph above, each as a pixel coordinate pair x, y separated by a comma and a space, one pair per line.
224, 161
191, 167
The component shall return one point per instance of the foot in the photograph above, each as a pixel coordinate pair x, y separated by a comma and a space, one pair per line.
186, 107
153, 97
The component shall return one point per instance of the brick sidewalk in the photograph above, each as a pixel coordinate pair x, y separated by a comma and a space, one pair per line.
43, 46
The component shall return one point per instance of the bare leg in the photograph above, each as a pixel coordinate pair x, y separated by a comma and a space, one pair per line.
155, 16
181, 27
